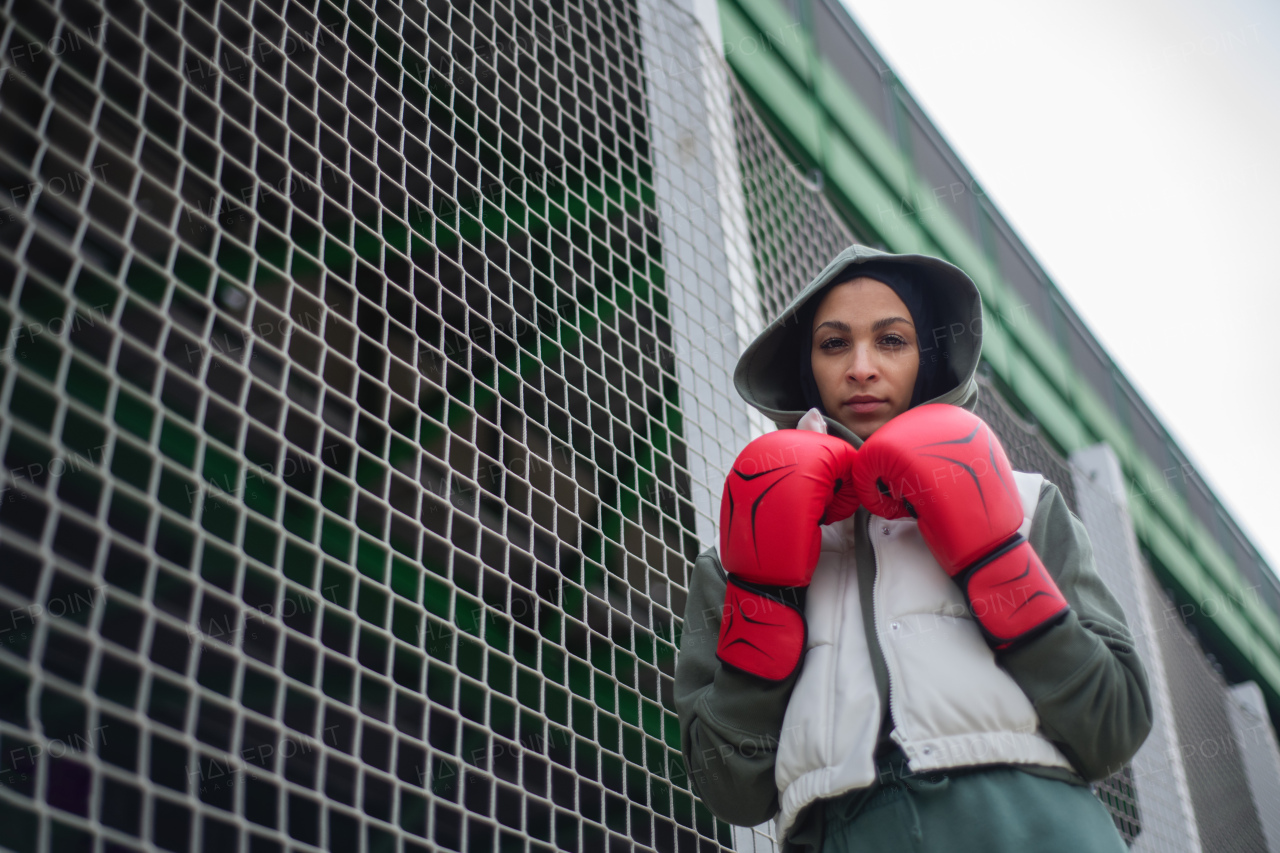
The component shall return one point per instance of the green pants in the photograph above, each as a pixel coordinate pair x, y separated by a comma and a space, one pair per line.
996, 810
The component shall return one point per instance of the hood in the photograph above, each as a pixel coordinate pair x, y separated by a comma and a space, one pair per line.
767, 375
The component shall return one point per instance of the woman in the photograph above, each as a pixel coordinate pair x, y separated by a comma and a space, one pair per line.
898, 646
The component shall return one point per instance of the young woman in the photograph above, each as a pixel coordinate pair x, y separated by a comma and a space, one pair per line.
899, 644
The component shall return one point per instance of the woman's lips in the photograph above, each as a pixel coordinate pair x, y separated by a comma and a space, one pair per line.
863, 407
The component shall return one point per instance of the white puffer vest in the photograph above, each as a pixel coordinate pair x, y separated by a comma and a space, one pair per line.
952, 704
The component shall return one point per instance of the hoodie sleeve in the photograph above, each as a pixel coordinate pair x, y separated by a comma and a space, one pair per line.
730, 722
1083, 675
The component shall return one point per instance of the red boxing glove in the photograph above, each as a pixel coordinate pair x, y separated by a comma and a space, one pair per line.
945, 467
781, 488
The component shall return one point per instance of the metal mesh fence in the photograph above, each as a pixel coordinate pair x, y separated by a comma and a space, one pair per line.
1024, 445
794, 231
344, 502
1150, 800
1208, 775
1226, 812
1260, 755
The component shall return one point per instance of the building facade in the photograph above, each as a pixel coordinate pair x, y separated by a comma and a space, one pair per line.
364, 398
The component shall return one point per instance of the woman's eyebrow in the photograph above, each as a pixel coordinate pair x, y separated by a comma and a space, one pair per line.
889, 321
841, 326
838, 325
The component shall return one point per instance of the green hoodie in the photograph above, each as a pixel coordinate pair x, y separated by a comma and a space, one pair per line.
1083, 675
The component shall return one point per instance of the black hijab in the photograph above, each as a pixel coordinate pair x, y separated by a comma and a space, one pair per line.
934, 376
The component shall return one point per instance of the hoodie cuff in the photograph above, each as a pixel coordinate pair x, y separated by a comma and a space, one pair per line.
1055, 661
746, 707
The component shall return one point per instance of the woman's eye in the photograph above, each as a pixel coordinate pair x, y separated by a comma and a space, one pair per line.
832, 343
893, 341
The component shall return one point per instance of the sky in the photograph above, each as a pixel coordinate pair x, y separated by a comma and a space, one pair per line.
1132, 144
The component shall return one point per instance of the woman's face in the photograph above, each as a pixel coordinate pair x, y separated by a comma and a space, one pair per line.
865, 355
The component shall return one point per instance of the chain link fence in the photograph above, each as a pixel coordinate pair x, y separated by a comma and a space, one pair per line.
345, 501
1227, 814
794, 231
1150, 799
1256, 742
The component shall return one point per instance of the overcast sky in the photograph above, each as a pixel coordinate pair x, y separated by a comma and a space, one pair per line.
1135, 147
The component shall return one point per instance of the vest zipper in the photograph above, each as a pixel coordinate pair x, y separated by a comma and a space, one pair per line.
842, 579
880, 639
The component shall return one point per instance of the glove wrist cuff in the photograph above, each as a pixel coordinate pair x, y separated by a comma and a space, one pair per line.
763, 631
1014, 541
1011, 595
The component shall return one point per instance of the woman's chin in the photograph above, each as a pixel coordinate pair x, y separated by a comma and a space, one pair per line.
863, 426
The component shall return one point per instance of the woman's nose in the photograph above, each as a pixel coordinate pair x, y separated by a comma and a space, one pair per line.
862, 364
